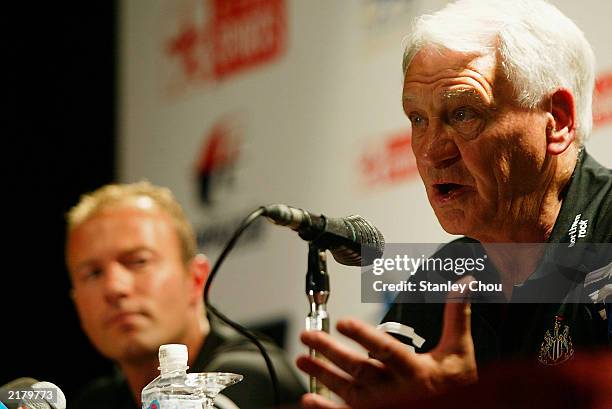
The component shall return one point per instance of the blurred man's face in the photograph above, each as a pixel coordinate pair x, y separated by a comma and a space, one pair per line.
482, 159
131, 289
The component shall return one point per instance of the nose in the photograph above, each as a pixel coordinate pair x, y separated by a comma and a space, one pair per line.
439, 149
118, 283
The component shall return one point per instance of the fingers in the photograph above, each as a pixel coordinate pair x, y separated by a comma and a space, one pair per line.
463, 292
456, 330
354, 363
312, 401
331, 376
388, 350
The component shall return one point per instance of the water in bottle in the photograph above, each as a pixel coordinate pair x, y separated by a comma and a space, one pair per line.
170, 389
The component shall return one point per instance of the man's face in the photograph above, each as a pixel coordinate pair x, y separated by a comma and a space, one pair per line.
482, 159
131, 289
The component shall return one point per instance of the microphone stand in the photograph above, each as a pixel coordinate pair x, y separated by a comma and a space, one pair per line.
317, 291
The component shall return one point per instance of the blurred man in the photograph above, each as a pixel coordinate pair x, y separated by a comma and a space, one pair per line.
137, 283
498, 94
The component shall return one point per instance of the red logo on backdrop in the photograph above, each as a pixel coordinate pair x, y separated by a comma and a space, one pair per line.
389, 161
602, 100
217, 160
218, 166
235, 35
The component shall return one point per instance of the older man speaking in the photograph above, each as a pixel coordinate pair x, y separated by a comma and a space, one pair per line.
498, 94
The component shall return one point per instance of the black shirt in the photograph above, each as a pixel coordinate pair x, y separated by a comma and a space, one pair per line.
224, 350
506, 330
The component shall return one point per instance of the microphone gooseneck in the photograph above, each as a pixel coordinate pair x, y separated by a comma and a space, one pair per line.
352, 240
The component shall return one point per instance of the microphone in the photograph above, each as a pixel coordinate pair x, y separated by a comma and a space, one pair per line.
31, 394
344, 237
7, 391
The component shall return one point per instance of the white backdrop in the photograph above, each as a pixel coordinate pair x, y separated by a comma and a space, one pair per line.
293, 102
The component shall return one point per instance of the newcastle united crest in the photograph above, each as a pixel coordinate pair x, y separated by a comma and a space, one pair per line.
556, 348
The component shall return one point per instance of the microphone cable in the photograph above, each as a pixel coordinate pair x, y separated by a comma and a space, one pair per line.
245, 332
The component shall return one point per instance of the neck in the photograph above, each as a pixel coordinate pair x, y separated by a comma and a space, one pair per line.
139, 372
514, 261
528, 235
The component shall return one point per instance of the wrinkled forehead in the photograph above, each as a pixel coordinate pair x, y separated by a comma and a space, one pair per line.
444, 94
446, 74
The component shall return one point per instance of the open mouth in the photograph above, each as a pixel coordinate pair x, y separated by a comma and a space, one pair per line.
448, 191
446, 188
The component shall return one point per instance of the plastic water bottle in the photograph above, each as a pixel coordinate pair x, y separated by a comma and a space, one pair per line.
169, 390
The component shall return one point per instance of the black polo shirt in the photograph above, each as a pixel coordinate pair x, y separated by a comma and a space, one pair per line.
224, 350
517, 329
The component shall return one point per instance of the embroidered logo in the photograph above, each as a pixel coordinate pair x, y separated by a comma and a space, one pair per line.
578, 229
556, 348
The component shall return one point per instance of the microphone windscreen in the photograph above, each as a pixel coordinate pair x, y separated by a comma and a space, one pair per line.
60, 398
7, 391
11, 395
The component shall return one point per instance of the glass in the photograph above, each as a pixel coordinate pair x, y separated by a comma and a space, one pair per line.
209, 384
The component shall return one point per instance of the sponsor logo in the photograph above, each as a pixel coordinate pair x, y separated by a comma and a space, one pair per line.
217, 169
388, 161
578, 229
217, 161
210, 40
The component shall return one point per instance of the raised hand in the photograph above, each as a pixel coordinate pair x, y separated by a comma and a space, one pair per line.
391, 369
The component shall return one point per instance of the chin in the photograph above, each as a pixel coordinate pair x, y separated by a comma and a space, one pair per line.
135, 351
130, 348
454, 223
454, 230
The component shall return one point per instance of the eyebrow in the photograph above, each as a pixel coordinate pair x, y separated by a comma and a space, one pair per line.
454, 94
83, 265
463, 93
89, 262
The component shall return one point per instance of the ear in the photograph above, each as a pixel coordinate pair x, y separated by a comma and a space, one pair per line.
561, 122
199, 268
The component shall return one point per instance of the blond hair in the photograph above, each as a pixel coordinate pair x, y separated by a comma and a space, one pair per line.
114, 194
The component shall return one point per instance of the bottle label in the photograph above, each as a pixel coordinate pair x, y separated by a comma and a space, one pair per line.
152, 405
173, 404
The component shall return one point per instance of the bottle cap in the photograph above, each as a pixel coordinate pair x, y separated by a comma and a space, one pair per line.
172, 355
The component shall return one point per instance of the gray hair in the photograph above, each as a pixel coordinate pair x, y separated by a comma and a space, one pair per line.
540, 49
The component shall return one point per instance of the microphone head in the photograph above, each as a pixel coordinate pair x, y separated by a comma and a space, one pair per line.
24, 382
60, 398
368, 243
37, 401
8, 390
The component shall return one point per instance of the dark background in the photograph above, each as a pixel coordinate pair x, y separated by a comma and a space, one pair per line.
60, 143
